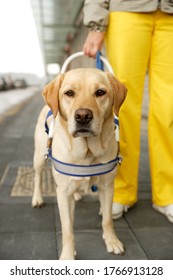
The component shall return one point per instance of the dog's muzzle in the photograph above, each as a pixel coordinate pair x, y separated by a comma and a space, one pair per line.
83, 118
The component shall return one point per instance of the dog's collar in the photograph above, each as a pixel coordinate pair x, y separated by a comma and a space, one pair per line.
80, 170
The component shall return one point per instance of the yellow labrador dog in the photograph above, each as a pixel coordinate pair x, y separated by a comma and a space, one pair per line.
83, 102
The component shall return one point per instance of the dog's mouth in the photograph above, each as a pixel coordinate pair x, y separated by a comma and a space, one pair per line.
83, 132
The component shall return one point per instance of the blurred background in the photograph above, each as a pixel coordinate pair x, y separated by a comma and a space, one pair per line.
36, 38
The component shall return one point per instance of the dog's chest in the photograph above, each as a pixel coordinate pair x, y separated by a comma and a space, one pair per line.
86, 185
76, 151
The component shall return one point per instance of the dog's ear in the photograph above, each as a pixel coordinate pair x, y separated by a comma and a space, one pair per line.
119, 91
51, 92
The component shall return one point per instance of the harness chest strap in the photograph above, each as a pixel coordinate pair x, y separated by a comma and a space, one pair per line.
84, 170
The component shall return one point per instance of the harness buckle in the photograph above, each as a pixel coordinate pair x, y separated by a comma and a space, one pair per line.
120, 159
46, 157
49, 148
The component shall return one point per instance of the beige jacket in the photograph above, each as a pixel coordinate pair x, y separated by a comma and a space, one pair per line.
96, 12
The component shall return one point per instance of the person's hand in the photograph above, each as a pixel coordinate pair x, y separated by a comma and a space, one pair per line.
93, 43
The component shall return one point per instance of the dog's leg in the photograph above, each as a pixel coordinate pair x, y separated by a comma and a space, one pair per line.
113, 244
66, 204
37, 199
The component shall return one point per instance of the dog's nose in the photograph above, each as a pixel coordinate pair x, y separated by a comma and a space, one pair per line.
83, 116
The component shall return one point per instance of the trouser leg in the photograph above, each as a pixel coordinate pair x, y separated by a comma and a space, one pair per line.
128, 45
161, 110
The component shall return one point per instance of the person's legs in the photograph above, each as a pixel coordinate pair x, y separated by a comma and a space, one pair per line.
161, 111
128, 44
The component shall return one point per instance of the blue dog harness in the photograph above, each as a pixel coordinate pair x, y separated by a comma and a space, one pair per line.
82, 170
76, 169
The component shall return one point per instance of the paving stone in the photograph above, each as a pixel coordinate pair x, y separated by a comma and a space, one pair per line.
7, 147
157, 242
28, 246
3, 168
24, 218
144, 216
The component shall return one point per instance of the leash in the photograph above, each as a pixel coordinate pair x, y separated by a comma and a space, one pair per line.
99, 62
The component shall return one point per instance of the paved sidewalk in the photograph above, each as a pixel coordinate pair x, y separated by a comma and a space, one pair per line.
27, 233
11, 98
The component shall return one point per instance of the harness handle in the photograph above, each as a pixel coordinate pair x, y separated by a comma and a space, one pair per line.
78, 54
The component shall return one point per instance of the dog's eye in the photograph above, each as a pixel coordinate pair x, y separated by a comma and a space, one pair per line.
70, 93
100, 92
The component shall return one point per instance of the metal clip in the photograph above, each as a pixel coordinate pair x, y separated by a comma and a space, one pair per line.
46, 157
120, 159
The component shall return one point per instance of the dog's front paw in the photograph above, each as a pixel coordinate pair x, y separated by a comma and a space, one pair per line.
114, 245
37, 202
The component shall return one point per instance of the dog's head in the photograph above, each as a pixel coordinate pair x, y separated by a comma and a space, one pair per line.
85, 98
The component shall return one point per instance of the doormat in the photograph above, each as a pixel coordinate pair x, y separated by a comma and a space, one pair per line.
24, 182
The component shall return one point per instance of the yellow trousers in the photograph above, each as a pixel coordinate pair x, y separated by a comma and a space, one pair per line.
137, 43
